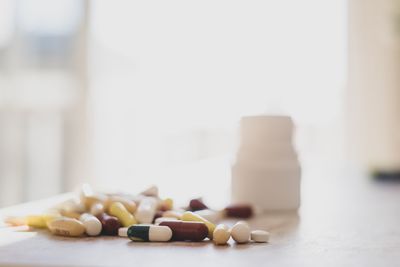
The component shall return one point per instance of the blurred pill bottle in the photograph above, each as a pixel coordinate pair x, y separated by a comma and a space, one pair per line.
373, 93
266, 170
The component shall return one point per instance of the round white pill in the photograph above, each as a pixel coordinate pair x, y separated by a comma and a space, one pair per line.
260, 236
123, 231
240, 232
92, 225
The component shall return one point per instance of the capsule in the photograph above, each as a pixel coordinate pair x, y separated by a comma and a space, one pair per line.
210, 215
190, 216
128, 204
197, 204
70, 214
239, 211
89, 197
187, 231
123, 231
66, 227
153, 233
40, 221
110, 224
92, 225
118, 210
146, 210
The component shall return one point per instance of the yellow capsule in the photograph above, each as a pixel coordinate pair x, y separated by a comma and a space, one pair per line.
118, 210
66, 227
190, 216
128, 204
221, 235
40, 221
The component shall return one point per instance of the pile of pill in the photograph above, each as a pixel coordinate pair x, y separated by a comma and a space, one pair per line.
143, 217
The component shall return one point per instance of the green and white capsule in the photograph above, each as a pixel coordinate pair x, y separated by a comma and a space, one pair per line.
153, 233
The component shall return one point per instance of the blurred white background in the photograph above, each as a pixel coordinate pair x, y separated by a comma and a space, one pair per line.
123, 94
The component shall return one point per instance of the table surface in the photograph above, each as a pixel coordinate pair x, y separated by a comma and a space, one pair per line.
345, 220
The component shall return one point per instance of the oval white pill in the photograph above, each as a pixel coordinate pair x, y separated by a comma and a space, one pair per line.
123, 232
240, 232
260, 236
92, 225
146, 210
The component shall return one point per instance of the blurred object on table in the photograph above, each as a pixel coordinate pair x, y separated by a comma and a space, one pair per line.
266, 172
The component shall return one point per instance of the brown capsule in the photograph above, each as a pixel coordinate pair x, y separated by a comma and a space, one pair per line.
197, 204
239, 211
110, 224
187, 231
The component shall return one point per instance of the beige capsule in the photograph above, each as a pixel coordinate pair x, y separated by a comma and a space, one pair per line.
66, 227
221, 235
70, 214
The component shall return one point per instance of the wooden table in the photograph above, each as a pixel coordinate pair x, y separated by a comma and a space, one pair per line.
345, 220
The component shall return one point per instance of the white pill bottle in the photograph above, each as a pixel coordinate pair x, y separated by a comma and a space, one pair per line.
266, 171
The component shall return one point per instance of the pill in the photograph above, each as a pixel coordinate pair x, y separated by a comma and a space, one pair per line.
110, 224
91, 223
154, 233
89, 197
166, 204
240, 232
97, 209
152, 191
128, 204
172, 214
239, 211
146, 210
40, 221
15, 220
221, 234
70, 214
72, 205
66, 227
123, 231
118, 210
161, 219
197, 204
211, 215
190, 216
187, 231
260, 236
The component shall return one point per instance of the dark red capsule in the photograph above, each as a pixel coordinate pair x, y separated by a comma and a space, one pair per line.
239, 211
109, 223
187, 231
197, 204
